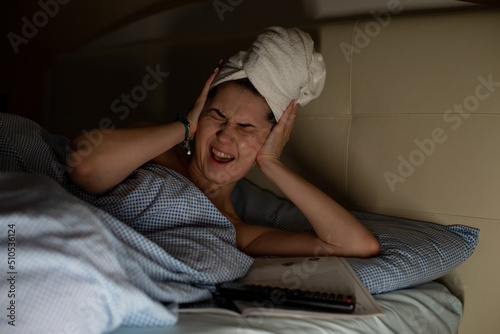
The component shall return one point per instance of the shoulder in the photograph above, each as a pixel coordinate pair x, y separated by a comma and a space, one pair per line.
173, 159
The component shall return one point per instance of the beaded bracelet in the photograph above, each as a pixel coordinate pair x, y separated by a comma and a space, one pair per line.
184, 145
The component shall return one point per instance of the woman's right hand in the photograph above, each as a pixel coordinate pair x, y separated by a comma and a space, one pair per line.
195, 112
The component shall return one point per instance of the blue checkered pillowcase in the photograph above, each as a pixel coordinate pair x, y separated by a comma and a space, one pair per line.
411, 252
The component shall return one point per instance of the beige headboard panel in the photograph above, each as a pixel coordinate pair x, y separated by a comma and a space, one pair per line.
409, 125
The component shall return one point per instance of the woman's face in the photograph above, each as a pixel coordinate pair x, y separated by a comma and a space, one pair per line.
231, 131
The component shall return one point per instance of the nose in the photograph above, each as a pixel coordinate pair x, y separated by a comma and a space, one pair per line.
226, 133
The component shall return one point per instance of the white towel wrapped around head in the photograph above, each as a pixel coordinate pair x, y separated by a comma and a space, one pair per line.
282, 65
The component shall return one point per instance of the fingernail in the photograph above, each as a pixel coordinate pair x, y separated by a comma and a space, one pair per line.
219, 66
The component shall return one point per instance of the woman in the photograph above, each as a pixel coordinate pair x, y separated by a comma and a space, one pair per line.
235, 127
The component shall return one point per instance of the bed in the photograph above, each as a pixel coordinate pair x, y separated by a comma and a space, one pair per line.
130, 257
405, 137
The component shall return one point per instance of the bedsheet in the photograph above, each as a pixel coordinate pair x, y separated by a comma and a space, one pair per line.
426, 309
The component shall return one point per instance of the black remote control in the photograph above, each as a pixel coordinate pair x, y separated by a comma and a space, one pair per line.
314, 300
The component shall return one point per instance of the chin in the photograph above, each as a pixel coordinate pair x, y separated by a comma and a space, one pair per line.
223, 176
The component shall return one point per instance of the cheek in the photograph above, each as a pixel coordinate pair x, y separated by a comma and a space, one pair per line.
205, 128
249, 147
201, 136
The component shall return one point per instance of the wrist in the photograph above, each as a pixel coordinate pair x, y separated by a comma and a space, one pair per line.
269, 164
192, 126
185, 144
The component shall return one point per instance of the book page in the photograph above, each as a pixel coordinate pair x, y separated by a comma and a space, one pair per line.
325, 274
301, 273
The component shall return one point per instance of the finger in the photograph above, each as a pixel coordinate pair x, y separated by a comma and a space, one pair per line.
281, 129
206, 87
285, 116
289, 116
293, 114
291, 110
214, 75
210, 80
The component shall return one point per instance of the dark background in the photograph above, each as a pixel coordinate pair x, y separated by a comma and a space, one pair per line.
76, 23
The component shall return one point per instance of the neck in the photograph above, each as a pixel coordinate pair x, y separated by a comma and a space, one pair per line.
218, 194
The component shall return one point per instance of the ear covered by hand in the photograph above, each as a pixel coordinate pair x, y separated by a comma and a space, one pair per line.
275, 143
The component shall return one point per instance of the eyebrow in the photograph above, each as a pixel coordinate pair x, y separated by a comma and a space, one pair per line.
220, 114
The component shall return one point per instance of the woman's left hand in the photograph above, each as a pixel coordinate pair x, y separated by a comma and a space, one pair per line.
275, 143
336, 231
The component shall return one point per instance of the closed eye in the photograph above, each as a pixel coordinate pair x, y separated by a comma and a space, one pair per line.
246, 125
216, 113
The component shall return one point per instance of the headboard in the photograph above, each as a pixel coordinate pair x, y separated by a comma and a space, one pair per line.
408, 123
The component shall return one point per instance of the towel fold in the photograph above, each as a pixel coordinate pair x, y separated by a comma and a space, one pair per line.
282, 65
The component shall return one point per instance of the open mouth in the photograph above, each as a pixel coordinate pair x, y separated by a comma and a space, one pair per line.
221, 157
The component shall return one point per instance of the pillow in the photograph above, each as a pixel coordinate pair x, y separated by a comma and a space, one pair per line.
411, 252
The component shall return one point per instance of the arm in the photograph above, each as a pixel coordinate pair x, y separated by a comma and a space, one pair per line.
98, 167
95, 167
337, 232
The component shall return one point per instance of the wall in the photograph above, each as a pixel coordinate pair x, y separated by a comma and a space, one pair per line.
35, 31
41, 29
